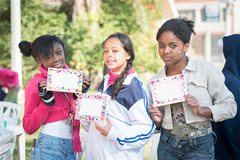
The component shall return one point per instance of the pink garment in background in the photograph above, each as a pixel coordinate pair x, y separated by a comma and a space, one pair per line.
8, 78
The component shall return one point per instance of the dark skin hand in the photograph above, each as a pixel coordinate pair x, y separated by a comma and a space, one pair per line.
86, 82
85, 85
195, 107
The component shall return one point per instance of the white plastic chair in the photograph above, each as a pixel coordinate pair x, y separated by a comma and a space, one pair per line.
10, 112
5, 151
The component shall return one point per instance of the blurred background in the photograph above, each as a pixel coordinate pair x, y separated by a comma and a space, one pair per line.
84, 24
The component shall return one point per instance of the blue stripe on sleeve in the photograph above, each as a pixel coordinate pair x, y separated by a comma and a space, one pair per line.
138, 137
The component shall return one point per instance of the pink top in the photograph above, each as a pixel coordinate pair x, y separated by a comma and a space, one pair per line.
8, 78
36, 113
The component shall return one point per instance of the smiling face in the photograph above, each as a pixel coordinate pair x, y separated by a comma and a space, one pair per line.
57, 58
114, 55
171, 49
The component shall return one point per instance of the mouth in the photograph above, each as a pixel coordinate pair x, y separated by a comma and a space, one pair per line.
110, 62
166, 58
58, 65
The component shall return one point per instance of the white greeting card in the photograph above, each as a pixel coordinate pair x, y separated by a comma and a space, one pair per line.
168, 90
64, 80
91, 107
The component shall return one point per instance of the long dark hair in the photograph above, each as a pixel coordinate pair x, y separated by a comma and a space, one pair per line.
40, 47
128, 47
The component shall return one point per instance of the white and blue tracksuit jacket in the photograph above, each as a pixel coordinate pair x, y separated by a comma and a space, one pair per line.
131, 129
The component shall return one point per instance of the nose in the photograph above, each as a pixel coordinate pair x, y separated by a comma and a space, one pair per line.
166, 50
54, 57
110, 53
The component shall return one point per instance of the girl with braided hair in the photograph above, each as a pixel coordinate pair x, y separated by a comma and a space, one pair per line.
128, 126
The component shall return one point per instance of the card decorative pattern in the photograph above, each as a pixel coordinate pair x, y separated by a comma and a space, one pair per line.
64, 80
168, 90
91, 107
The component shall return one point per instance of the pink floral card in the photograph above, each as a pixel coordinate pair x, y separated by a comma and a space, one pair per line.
64, 80
91, 107
168, 90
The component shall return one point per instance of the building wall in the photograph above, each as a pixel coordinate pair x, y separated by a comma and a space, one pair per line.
210, 25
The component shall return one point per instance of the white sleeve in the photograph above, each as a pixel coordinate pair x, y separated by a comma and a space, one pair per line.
137, 133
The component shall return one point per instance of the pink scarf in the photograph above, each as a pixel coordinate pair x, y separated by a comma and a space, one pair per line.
114, 76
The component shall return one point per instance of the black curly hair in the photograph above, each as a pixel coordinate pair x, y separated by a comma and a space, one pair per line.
181, 27
40, 47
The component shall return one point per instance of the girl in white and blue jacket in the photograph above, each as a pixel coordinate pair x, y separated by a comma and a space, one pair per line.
128, 126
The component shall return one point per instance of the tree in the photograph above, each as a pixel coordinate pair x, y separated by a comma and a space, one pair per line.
5, 36
83, 25
37, 19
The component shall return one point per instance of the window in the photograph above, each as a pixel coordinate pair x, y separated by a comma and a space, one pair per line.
210, 13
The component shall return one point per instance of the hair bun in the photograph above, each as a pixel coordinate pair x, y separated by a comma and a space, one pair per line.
26, 48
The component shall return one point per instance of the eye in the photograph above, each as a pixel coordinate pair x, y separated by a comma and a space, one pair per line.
173, 46
161, 45
114, 51
48, 56
105, 51
59, 52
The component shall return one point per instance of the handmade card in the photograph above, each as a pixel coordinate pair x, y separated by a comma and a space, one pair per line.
64, 80
168, 90
91, 107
